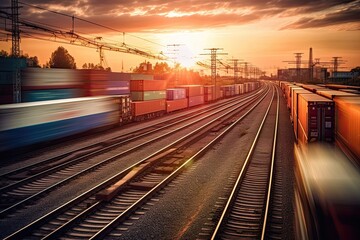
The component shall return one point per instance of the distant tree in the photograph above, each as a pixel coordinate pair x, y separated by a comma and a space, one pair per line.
30, 61
161, 68
95, 67
61, 58
4, 53
146, 67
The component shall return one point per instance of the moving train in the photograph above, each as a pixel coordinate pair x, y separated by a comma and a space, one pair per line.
319, 113
110, 99
327, 194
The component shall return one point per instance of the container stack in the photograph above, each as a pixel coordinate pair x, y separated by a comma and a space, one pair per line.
41, 84
195, 94
176, 99
8, 67
148, 96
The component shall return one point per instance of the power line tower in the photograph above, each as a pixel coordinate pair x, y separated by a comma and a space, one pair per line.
213, 56
298, 65
16, 50
236, 69
174, 52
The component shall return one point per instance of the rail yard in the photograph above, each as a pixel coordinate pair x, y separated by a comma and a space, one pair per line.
210, 171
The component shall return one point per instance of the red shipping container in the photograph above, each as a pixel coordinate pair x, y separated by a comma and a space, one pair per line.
348, 123
147, 85
196, 100
173, 105
145, 107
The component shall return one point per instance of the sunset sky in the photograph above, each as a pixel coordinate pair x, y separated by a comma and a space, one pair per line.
263, 32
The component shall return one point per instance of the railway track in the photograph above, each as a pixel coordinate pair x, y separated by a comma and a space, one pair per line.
96, 213
26, 190
246, 212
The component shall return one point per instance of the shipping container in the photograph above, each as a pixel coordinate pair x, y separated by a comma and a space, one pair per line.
147, 85
289, 95
313, 88
209, 89
208, 97
331, 94
175, 93
294, 109
140, 108
50, 78
316, 118
148, 95
196, 100
50, 94
241, 88
193, 90
117, 76
177, 104
118, 87
348, 123
228, 90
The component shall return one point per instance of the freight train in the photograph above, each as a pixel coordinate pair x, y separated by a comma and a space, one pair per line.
102, 99
319, 113
327, 196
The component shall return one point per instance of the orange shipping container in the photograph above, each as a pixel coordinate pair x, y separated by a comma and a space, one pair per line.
147, 85
145, 107
173, 105
348, 122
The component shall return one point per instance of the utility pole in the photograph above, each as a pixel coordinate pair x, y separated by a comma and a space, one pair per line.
213, 54
16, 50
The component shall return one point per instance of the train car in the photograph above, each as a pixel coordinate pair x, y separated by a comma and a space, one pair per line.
316, 118
347, 130
327, 196
25, 124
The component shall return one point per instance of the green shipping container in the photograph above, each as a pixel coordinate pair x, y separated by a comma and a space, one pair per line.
148, 95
